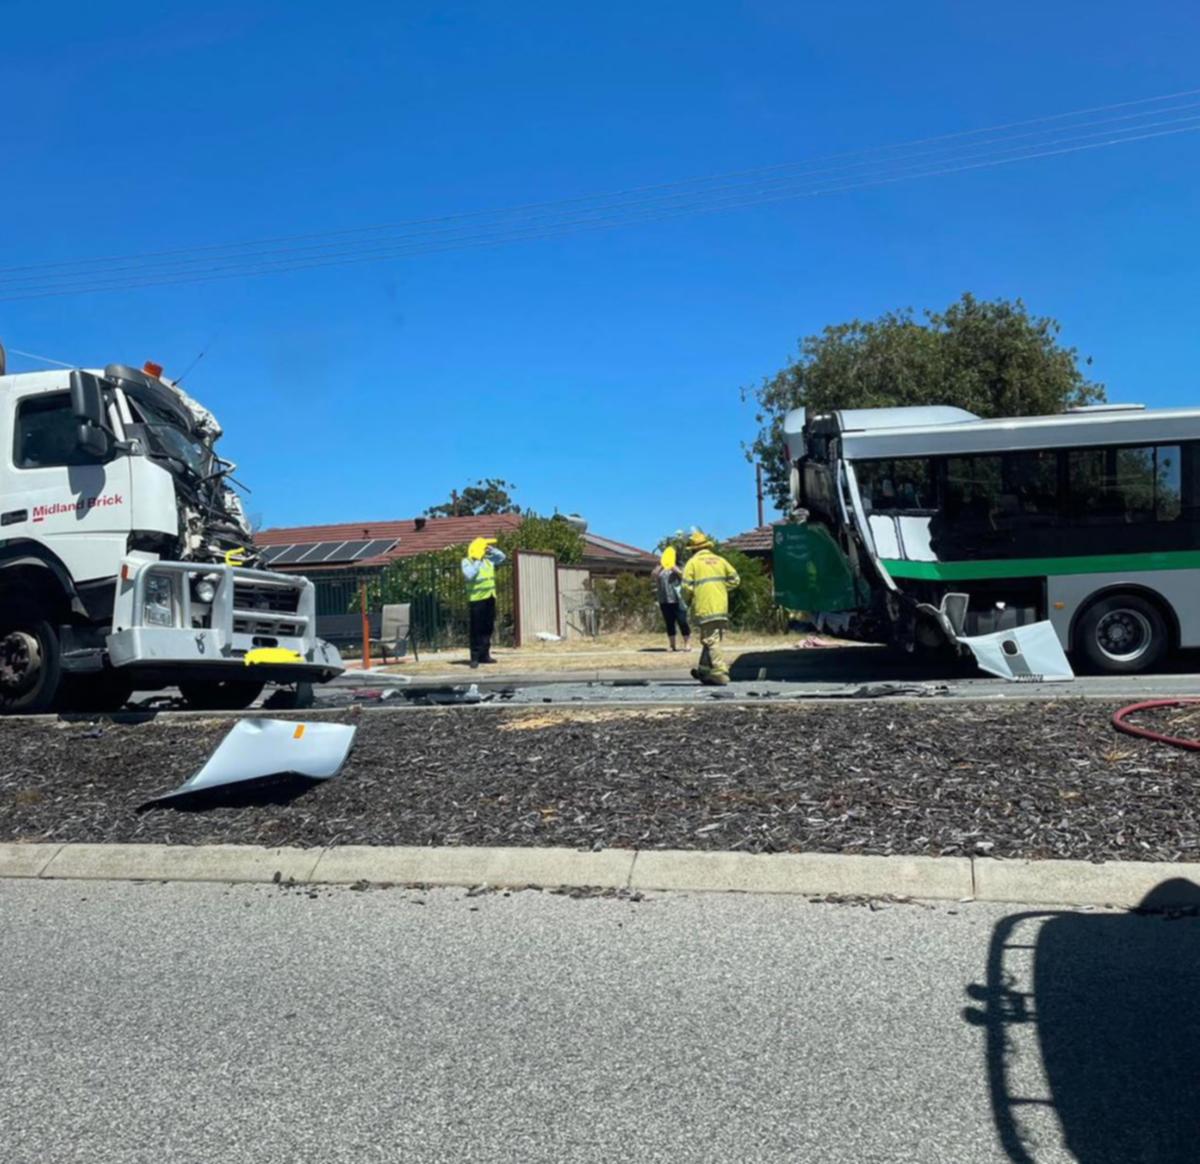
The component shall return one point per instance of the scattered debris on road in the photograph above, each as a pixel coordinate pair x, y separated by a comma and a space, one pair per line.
259, 750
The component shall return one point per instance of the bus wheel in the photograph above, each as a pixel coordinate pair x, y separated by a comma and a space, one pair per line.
30, 664
1123, 634
220, 694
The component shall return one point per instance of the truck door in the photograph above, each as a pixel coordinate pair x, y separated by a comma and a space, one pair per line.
58, 495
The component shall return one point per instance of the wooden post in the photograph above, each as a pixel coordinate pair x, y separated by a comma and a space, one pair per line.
366, 626
758, 482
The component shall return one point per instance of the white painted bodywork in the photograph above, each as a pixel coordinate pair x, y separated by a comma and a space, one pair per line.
1067, 430
83, 518
1179, 588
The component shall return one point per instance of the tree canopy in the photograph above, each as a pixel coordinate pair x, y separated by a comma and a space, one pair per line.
484, 498
553, 535
990, 357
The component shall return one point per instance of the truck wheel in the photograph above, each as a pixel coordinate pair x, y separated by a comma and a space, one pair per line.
1123, 634
220, 694
94, 693
30, 664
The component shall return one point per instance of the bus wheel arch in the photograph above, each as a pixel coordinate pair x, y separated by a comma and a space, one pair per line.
1124, 629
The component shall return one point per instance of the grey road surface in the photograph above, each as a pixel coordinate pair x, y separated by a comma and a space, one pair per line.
148, 1022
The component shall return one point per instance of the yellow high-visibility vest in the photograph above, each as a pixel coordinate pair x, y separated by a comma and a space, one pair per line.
483, 585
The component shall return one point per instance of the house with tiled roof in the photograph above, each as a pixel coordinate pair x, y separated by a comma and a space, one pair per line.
755, 543
362, 545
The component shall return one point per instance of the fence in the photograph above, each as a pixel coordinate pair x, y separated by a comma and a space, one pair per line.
434, 589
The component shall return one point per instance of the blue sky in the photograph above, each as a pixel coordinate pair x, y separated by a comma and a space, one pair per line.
601, 371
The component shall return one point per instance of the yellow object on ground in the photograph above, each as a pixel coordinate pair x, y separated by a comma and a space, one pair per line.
272, 655
478, 547
667, 561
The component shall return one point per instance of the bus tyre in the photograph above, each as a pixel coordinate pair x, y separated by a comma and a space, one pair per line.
1123, 634
220, 694
30, 663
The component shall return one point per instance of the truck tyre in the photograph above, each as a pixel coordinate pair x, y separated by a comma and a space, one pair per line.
220, 694
30, 663
1123, 634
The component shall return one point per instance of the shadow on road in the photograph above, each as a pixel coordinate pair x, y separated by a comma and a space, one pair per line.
844, 665
1092, 1026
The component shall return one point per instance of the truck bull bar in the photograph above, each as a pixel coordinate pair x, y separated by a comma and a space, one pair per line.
208, 617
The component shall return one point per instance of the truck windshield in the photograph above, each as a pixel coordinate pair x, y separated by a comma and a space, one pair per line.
168, 441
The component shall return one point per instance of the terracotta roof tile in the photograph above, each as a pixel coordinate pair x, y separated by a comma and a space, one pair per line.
753, 541
421, 535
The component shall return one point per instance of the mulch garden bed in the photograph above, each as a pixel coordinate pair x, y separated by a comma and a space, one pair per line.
1008, 780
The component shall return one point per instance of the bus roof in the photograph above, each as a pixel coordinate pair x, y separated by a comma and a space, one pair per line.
1128, 426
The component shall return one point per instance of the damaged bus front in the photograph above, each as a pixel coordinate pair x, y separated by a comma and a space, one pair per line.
931, 529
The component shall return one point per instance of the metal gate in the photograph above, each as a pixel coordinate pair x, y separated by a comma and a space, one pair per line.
535, 586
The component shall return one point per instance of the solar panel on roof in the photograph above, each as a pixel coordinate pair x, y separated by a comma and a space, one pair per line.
374, 547
270, 553
616, 547
317, 552
326, 552
345, 551
292, 554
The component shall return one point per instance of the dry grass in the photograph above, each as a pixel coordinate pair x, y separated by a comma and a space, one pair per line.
539, 720
616, 652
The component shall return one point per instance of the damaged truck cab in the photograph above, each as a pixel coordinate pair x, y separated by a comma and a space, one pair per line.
1011, 540
126, 560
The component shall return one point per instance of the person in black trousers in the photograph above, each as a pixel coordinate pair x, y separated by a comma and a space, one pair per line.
479, 570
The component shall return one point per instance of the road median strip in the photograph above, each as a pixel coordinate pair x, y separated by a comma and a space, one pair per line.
1114, 883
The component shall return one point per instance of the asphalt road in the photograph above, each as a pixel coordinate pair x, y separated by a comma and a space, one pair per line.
782, 674
258, 1024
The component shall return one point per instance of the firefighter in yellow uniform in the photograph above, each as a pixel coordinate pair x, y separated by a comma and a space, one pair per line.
707, 581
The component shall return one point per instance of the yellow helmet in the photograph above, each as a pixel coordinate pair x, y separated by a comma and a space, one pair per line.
699, 541
477, 548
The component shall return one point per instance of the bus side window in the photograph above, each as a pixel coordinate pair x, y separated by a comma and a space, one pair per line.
894, 486
1126, 486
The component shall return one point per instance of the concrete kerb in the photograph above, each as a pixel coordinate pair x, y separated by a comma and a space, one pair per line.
1119, 884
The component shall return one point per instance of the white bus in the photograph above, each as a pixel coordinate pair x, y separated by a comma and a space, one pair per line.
922, 526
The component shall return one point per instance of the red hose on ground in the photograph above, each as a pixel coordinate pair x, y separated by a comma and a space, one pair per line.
1120, 724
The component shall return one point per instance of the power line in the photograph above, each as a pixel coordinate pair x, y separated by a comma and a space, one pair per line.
602, 204
534, 233
540, 205
42, 359
679, 200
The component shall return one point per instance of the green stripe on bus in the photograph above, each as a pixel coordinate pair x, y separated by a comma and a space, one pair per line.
1041, 567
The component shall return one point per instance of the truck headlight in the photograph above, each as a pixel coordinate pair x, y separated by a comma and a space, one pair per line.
158, 607
205, 589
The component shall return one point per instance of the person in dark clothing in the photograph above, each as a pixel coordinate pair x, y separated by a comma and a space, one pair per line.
667, 580
479, 570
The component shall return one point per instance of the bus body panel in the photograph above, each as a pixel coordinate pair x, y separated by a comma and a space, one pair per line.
1176, 589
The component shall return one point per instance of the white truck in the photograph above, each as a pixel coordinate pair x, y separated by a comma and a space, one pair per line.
126, 560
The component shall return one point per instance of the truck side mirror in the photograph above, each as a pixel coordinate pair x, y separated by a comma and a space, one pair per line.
94, 441
87, 400
87, 405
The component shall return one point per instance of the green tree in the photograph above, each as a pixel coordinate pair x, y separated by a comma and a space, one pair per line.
484, 498
990, 357
554, 535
